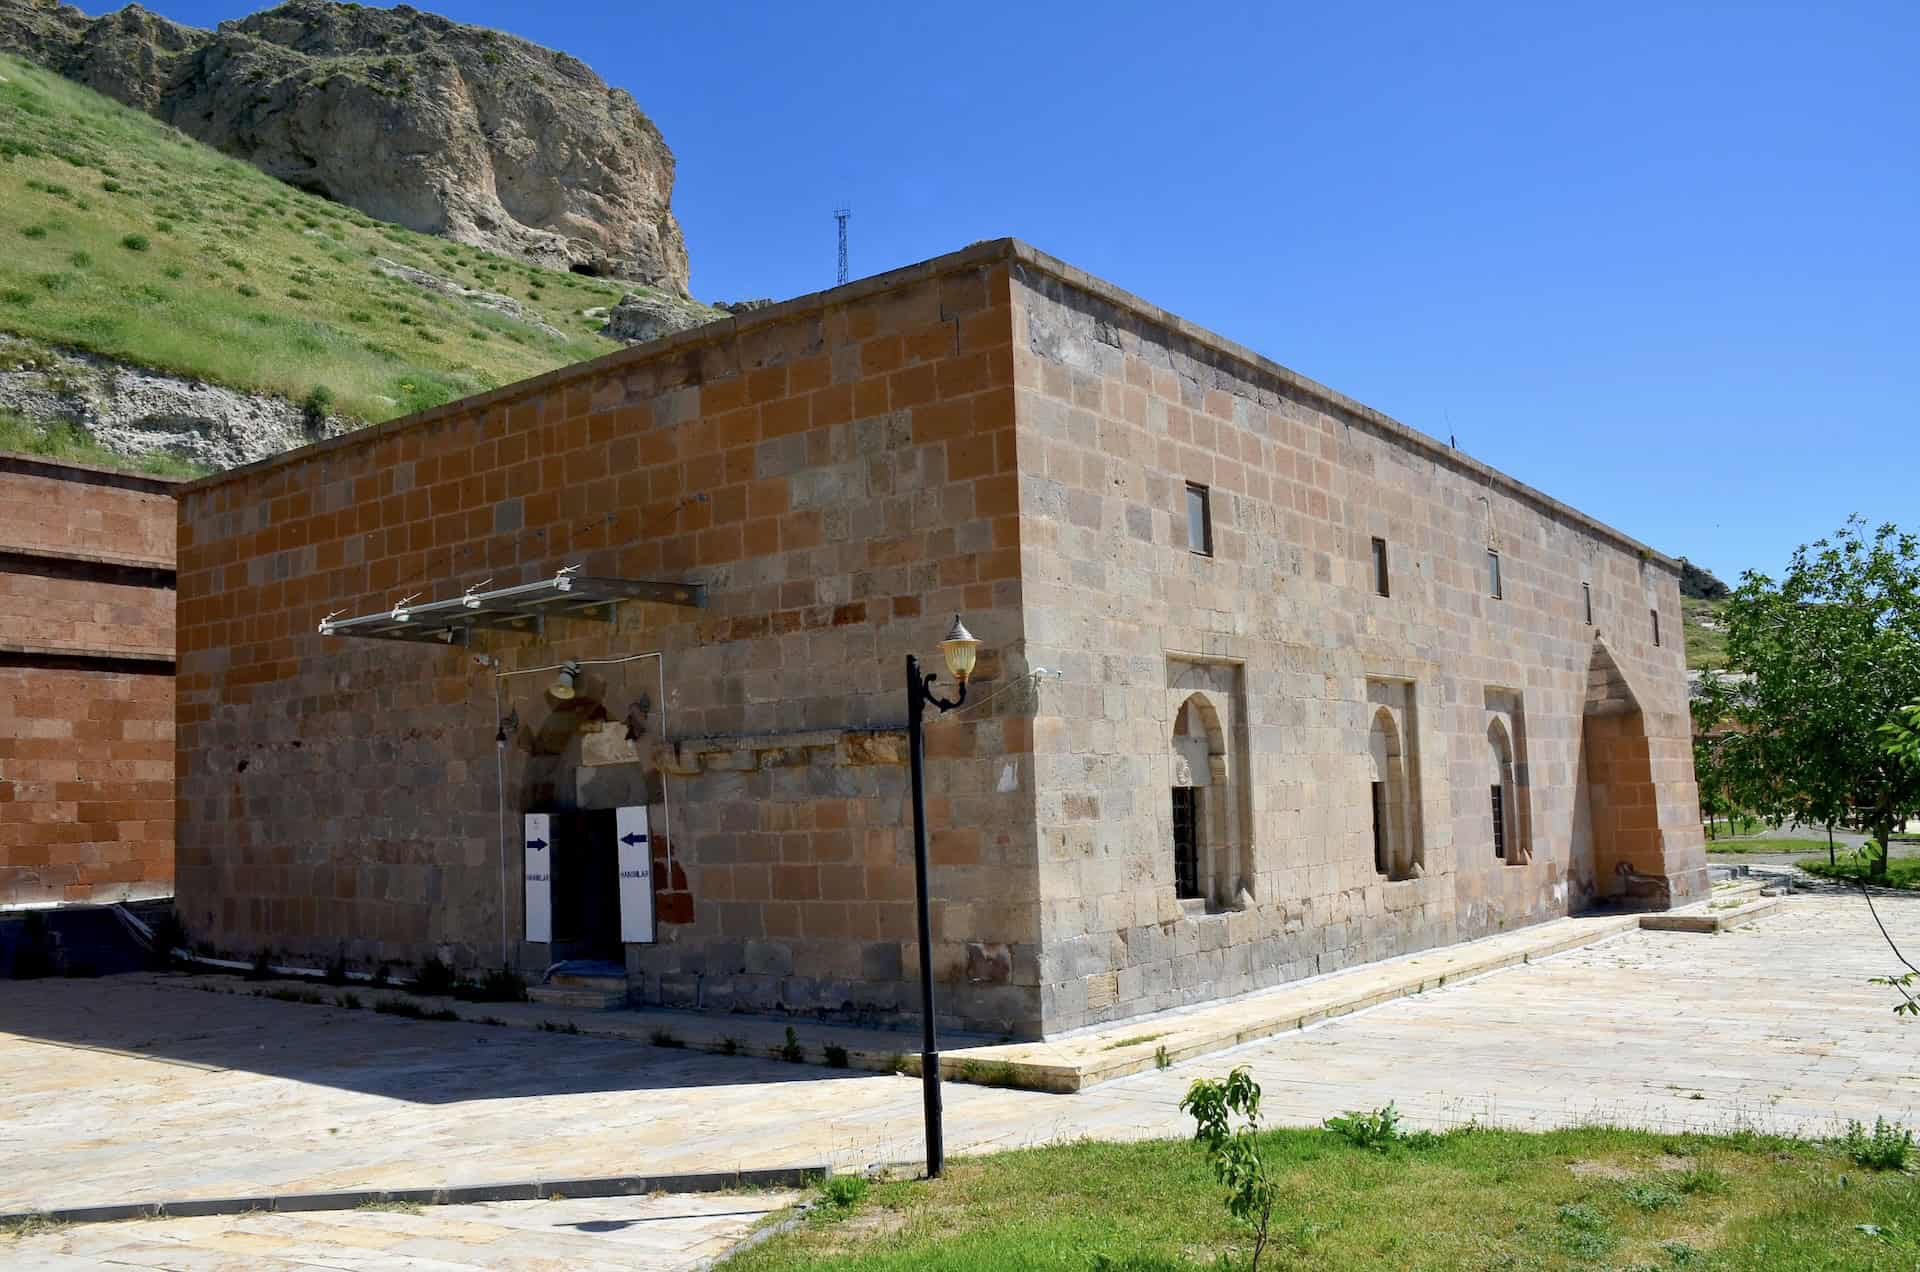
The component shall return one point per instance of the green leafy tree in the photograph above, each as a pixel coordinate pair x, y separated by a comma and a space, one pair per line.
1831, 655
1707, 777
1234, 1151
1901, 737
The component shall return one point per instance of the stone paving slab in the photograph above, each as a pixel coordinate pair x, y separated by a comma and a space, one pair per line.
1068, 1064
1103, 1053
1089, 1057
742, 1035
660, 1233
110, 1091
1719, 917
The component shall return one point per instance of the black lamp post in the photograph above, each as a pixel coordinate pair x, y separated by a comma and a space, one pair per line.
958, 649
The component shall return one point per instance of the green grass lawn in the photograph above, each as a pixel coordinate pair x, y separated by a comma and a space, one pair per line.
124, 237
1590, 1198
1902, 872
1739, 826
1734, 847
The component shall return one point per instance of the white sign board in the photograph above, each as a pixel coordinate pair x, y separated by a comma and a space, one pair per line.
636, 874
538, 844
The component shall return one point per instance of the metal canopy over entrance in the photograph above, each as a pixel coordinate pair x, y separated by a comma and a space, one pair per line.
524, 608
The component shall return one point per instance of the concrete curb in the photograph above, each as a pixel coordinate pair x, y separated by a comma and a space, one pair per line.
778, 1228
460, 1195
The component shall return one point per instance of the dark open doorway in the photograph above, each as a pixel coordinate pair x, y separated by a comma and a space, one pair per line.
586, 887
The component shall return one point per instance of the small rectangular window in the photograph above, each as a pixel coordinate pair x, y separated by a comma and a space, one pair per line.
1586, 594
1199, 520
1380, 567
1493, 574
1655, 614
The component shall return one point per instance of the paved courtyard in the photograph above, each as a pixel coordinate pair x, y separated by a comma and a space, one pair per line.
659, 1234
114, 1091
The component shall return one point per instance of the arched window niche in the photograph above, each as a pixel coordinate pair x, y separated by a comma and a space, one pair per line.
1202, 804
1393, 781
1393, 855
1502, 802
1205, 862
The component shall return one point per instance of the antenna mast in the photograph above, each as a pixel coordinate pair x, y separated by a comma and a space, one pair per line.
840, 216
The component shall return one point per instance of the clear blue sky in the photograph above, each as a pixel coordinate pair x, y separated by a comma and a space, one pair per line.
1659, 260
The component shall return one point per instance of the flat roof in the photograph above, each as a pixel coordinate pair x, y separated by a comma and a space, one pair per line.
990, 251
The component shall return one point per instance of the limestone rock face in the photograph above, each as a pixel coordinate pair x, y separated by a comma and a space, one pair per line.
638, 318
139, 412
444, 128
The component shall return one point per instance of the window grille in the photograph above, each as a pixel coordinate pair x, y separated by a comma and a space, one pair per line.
1186, 842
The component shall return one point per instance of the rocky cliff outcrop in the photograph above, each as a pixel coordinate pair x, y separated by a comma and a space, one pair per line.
136, 412
638, 319
441, 127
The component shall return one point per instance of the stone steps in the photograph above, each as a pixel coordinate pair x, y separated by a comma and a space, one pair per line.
587, 993
588, 980
1729, 906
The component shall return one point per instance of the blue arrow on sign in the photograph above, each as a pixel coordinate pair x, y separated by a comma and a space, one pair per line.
630, 839
535, 845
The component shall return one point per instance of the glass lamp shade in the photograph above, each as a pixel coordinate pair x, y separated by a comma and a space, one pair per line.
564, 684
959, 649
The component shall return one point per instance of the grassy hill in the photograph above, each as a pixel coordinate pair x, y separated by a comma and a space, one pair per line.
1706, 633
123, 237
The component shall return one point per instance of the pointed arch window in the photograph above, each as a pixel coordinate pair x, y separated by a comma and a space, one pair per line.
1200, 803
1500, 791
1392, 768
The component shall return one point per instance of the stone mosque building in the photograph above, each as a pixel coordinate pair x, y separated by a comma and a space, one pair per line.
606, 665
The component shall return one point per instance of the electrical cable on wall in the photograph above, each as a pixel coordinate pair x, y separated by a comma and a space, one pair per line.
666, 827
1031, 677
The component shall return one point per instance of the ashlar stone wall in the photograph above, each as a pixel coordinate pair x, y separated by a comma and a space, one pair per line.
837, 471
992, 433
1322, 684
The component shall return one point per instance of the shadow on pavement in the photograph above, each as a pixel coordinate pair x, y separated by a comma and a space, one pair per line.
616, 1225
419, 1061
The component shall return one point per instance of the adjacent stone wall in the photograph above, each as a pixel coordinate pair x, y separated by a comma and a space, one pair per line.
1120, 406
86, 684
838, 471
